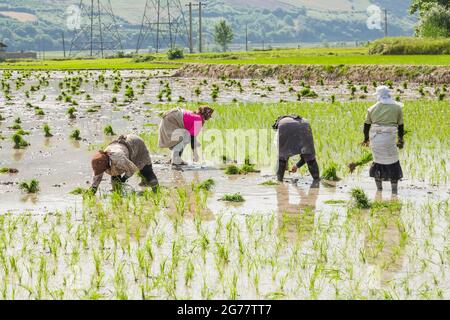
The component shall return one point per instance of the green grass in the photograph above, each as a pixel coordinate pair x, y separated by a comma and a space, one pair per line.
92, 64
315, 56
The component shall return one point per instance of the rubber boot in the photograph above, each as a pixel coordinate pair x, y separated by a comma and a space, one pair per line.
394, 185
281, 169
116, 182
313, 168
379, 184
150, 178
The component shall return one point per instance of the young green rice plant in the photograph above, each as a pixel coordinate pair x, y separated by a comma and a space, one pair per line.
330, 172
232, 169
108, 130
360, 199
236, 197
19, 141
47, 130
71, 112
8, 170
270, 183
39, 112
365, 158
307, 92
75, 135
207, 184
30, 187
23, 132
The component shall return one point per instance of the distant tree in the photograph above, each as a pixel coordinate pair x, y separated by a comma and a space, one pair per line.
421, 6
435, 23
223, 34
434, 18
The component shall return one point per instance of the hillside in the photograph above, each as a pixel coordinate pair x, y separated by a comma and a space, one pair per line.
33, 24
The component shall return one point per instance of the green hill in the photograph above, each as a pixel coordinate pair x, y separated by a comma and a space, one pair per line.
33, 24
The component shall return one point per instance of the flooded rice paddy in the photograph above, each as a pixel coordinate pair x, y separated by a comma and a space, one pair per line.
285, 241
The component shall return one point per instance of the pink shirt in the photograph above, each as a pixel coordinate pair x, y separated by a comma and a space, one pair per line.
192, 122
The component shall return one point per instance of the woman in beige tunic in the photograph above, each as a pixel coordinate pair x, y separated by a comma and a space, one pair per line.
121, 159
384, 121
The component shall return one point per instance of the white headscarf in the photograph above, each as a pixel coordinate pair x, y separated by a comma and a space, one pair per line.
384, 95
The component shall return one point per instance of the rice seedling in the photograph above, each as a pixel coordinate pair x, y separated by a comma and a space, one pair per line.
365, 158
8, 170
19, 141
232, 169
30, 187
207, 184
270, 183
360, 199
71, 112
39, 112
108, 130
75, 135
330, 172
47, 130
236, 197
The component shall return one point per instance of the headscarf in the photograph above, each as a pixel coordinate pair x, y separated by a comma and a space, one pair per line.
100, 163
206, 112
383, 94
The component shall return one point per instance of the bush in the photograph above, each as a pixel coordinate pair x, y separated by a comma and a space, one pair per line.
143, 58
410, 45
435, 22
175, 53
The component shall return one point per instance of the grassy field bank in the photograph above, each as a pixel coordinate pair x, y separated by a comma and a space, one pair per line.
314, 56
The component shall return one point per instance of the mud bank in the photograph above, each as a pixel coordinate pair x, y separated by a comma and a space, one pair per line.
330, 73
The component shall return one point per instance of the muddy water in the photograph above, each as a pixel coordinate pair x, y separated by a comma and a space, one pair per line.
61, 164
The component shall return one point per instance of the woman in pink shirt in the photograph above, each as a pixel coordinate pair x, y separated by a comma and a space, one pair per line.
180, 127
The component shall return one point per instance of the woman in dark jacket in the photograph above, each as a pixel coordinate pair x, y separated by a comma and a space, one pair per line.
295, 137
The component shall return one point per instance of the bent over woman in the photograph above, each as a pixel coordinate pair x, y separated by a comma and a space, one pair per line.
179, 128
384, 121
121, 159
295, 137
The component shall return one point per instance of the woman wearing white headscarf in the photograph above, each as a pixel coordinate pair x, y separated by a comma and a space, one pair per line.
384, 121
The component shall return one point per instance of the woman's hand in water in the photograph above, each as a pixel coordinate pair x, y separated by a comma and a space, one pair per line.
294, 169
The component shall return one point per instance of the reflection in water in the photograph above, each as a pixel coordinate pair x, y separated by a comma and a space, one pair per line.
47, 142
76, 144
33, 198
296, 220
18, 155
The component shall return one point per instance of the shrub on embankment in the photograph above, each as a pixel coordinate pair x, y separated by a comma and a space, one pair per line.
410, 45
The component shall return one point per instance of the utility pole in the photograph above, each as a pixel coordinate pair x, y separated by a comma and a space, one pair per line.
246, 37
157, 26
63, 43
385, 23
200, 27
100, 26
92, 26
200, 40
191, 47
